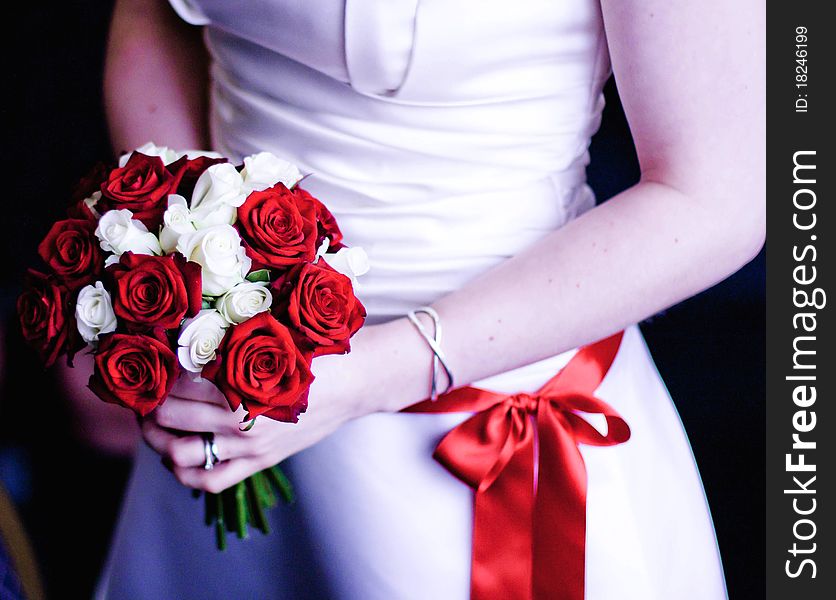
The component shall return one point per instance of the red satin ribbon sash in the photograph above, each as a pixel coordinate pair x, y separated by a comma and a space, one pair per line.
520, 455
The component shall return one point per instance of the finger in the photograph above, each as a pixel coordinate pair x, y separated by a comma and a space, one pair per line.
199, 390
190, 415
223, 476
164, 442
190, 452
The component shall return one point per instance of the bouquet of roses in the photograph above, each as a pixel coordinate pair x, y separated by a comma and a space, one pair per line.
181, 263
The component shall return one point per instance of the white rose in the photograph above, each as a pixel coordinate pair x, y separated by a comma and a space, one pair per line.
245, 300
199, 338
192, 154
351, 262
177, 220
264, 170
167, 155
91, 203
323, 249
118, 232
218, 251
94, 312
218, 193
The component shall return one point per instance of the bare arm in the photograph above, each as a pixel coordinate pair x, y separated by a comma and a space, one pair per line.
155, 79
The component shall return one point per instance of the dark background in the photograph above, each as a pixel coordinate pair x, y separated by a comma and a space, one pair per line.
709, 349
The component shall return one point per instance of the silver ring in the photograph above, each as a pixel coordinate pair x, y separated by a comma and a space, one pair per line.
210, 451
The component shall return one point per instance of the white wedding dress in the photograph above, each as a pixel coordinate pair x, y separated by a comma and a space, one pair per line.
445, 135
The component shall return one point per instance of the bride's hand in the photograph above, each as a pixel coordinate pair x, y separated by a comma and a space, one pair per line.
174, 429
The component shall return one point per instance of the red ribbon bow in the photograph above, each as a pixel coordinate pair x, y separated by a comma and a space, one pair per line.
520, 454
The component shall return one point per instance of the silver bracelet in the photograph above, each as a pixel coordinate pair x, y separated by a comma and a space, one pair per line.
434, 342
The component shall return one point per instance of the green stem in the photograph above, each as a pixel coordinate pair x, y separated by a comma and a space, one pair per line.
244, 504
241, 510
209, 508
262, 487
282, 483
256, 508
220, 528
267, 488
230, 510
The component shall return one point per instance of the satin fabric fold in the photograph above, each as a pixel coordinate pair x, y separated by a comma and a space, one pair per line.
520, 455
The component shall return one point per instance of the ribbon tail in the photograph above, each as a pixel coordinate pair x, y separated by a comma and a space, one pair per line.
559, 543
502, 523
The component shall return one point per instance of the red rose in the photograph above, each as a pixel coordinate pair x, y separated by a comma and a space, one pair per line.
186, 172
72, 251
320, 306
46, 320
90, 183
136, 371
258, 365
278, 227
155, 291
326, 224
80, 210
141, 186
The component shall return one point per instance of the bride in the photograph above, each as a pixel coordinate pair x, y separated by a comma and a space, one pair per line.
449, 138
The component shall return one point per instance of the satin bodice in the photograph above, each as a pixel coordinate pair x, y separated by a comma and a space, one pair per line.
445, 135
